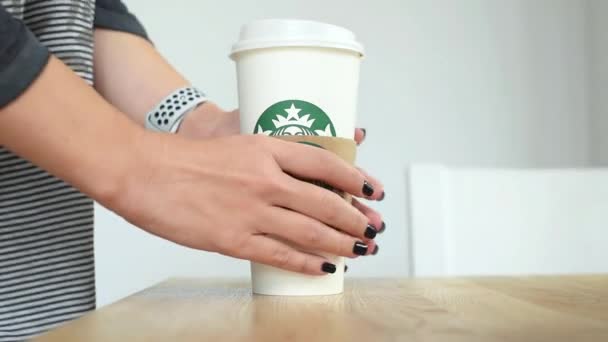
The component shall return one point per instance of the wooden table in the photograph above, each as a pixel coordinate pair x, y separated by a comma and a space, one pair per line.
572, 308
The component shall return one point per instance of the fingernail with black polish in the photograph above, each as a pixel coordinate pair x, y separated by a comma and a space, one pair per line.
364, 132
382, 228
370, 232
328, 268
382, 196
345, 268
360, 248
375, 250
368, 189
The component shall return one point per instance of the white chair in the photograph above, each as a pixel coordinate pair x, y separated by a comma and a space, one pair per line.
507, 221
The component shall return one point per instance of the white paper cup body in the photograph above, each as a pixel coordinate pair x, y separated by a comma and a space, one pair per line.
327, 78
273, 281
282, 75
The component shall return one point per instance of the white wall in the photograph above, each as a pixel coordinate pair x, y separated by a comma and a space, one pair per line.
460, 82
597, 33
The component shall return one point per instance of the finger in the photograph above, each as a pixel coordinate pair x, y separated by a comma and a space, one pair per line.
311, 235
378, 194
326, 207
372, 248
374, 218
268, 251
360, 134
308, 162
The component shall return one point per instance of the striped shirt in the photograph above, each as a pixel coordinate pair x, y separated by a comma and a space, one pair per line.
46, 226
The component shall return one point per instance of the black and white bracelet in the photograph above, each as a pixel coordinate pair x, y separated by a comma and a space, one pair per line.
169, 113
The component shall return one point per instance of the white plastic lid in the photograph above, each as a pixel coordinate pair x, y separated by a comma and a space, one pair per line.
270, 33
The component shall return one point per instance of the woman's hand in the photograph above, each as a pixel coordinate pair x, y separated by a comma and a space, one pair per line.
209, 120
237, 196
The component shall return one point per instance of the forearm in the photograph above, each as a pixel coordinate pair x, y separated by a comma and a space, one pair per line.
131, 74
61, 124
134, 77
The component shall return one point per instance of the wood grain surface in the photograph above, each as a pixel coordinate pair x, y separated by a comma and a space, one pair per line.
569, 308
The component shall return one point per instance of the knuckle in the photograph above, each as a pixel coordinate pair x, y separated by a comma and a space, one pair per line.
353, 178
356, 176
320, 158
337, 170
240, 242
301, 265
271, 186
233, 244
313, 237
327, 161
280, 257
339, 245
357, 226
278, 184
360, 220
331, 208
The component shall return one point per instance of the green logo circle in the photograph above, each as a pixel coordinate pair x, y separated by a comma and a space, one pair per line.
294, 117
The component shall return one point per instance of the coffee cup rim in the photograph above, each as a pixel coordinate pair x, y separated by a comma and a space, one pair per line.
277, 33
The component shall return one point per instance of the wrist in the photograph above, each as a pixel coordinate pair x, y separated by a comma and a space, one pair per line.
209, 120
199, 122
148, 164
120, 166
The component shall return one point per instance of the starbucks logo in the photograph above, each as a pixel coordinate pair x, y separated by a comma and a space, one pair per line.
294, 117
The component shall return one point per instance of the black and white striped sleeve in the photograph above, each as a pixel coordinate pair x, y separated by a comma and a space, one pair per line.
114, 15
22, 57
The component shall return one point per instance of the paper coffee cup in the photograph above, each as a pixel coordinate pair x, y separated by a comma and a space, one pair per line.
297, 78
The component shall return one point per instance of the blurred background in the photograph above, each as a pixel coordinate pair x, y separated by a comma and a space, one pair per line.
480, 84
